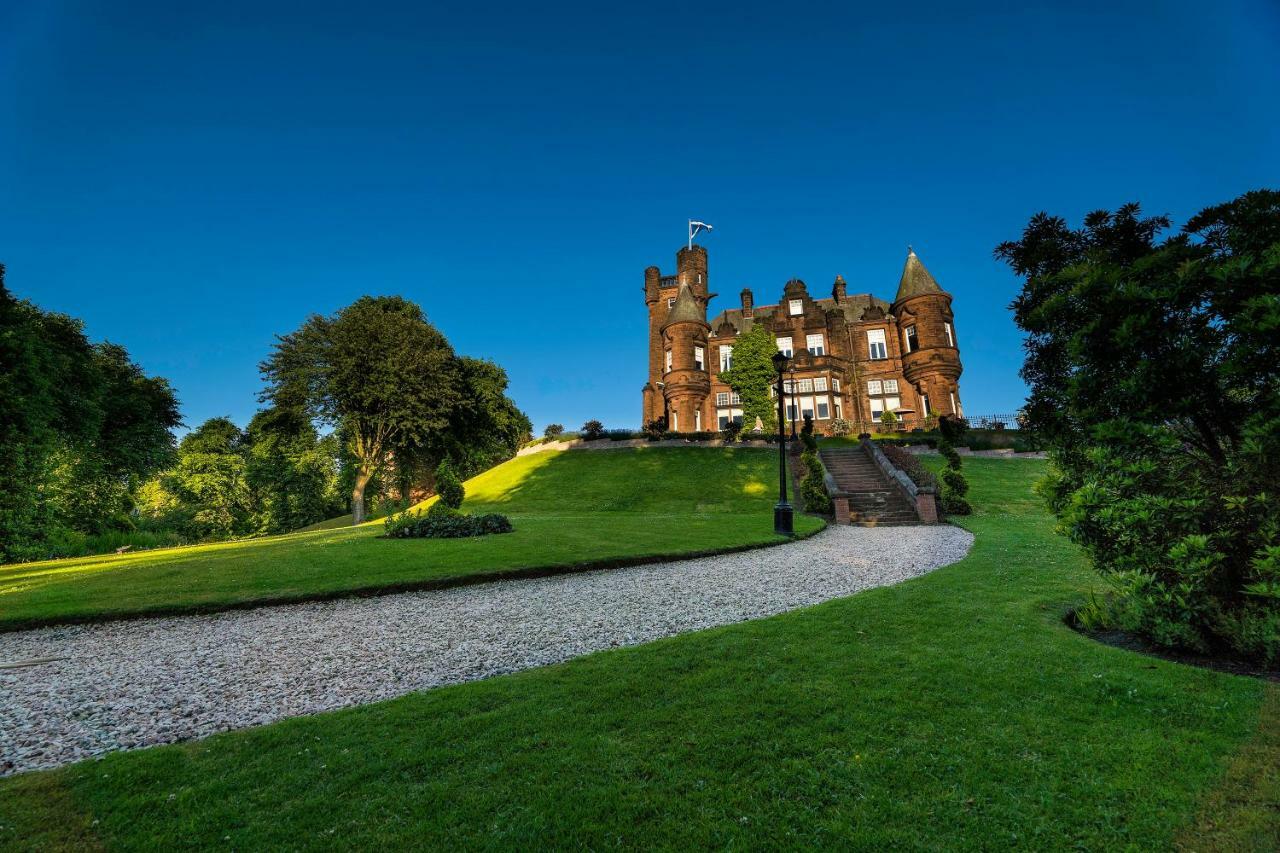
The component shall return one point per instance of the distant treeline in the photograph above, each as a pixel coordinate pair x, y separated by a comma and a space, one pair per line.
363, 403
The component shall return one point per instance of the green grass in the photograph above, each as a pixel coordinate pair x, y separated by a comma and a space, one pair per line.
955, 711
567, 508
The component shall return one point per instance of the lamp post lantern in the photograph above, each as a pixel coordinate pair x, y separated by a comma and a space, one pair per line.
783, 517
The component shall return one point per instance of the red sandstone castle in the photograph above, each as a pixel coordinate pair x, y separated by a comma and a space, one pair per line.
854, 357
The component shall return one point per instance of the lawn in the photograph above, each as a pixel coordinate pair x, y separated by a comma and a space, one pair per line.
955, 711
568, 508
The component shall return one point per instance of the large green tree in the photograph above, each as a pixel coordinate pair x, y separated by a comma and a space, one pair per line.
1154, 368
752, 375
390, 384
209, 484
80, 426
291, 472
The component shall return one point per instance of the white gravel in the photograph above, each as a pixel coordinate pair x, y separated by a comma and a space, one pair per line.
126, 685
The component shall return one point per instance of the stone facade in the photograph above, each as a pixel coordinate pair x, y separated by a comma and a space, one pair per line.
853, 356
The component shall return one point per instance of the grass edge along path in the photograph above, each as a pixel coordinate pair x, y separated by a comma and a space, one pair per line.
953, 711
572, 512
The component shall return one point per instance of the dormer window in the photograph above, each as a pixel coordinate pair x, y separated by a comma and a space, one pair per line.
796, 306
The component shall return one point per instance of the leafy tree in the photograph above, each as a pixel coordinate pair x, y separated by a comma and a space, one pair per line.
752, 375
209, 482
553, 431
1154, 369
485, 427
592, 430
80, 426
378, 370
290, 472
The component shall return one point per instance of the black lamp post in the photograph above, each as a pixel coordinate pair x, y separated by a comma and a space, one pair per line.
791, 374
783, 517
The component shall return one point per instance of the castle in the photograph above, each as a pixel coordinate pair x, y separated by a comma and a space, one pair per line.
852, 357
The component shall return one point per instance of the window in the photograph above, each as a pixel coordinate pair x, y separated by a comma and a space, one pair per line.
671, 301
877, 408
951, 339
875, 387
839, 408
924, 405
796, 306
820, 383
913, 343
806, 408
722, 398
724, 417
668, 361
791, 410
735, 399
675, 421
804, 386
697, 421
814, 344
891, 403
698, 358
726, 358
784, 346
835, 385
891, 386
955, 407
824, 409
875, 344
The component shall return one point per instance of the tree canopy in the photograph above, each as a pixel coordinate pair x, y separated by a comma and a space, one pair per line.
1154, 368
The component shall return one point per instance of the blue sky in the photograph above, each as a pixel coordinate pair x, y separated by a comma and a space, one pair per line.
193, 179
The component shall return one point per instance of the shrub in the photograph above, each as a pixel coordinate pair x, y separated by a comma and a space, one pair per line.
889, 421
448, 486
443, 522
623, 435
731, 431
813, 487
553, 431
840, 426
592, 430
684, 436
910, 464
954, 485
655, 428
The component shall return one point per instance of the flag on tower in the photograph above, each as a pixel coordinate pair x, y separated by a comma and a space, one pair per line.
694, 227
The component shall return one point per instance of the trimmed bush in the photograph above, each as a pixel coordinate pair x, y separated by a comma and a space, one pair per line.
442, 522
813, 487
448, 486
954, 485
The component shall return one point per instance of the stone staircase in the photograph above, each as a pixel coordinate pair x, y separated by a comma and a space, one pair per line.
873, 500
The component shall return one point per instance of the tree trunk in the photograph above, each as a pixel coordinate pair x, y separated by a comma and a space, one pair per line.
363, 476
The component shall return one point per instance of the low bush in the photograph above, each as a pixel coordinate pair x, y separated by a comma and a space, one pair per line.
655, 428
684, 436
623, 435
813, 487
910, 464
442, 522
840, 426
731, 431
954, 485
592, 431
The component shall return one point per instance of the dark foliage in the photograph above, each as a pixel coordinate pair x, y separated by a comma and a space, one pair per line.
908, 463
448, 486
731, 431
442, 522
813, 487
592, 431
954, 485
1155, 380
655, 428
553, 431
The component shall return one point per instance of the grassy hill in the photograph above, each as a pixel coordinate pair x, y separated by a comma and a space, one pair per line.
952, 712
568, 508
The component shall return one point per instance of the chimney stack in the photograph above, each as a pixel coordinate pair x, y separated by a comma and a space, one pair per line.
747, 302
838, 290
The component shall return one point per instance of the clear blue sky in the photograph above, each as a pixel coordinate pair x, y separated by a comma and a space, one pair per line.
192, 179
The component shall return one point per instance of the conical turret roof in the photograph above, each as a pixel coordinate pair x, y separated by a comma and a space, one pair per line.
915, 279
687, 309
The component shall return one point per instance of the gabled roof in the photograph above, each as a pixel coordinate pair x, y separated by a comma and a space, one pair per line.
853, 307
915, 279
687, 309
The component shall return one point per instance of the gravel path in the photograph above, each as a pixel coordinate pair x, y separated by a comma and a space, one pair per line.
126, 685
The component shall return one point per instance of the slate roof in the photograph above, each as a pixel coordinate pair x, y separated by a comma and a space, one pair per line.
853, 306
686, 308
915, 279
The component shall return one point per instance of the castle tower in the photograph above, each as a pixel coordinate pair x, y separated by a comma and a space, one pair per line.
686, 378
930, 357
661, 295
